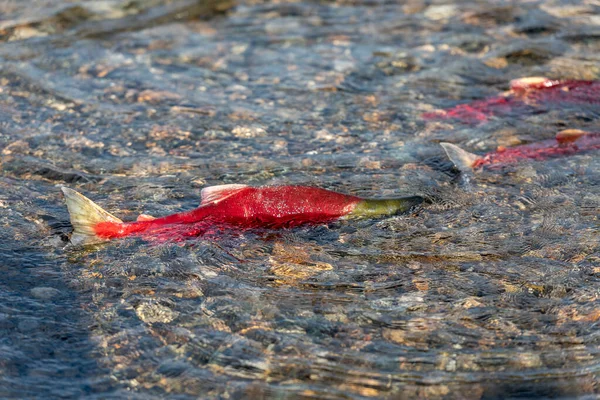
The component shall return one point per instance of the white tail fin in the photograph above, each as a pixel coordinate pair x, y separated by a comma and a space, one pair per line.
462, 159
85, 215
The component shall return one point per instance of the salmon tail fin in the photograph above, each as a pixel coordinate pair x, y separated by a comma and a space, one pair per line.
463, 160
85, 215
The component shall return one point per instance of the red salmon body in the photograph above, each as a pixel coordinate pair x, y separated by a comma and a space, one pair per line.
556, 91
525, 95
540, 150
567, 142
282, 206
249, 207
231, 207
478, 111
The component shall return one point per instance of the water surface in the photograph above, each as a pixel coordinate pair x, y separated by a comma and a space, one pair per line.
489, 292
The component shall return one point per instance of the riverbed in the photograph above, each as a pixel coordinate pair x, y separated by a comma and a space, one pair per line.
490, 291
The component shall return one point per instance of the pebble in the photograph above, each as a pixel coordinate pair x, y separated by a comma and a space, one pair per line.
248, 131
27, 325
437, 13
44, 293
153, 312
5, 322
216, 134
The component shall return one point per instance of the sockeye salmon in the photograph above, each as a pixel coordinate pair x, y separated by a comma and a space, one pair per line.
233, 206
525, 95
567, 142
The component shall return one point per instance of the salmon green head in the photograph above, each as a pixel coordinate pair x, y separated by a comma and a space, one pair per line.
373, 208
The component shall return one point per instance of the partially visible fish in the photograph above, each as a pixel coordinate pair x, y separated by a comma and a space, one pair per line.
232, 206
524, 96
567, 142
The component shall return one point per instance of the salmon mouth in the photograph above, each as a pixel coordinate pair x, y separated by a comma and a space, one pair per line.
414, 201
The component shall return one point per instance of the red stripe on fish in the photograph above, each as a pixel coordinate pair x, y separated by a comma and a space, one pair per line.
524, 96
565, 143
232, 207
251, 207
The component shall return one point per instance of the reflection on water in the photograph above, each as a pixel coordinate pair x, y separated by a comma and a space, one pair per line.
489, 292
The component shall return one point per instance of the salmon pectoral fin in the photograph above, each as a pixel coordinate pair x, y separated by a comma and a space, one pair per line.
85, 216
463, 160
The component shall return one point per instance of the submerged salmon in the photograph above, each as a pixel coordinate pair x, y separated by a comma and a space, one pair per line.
567, 142
232, 206
525, 95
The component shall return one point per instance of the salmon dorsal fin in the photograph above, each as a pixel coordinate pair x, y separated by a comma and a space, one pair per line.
530, 82
463, 160
145, 218
215, 194
569, 135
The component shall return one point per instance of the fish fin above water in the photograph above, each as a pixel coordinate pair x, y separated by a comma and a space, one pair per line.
463, 160
569, 135
145, 217
215, 194
529, 83
85, 215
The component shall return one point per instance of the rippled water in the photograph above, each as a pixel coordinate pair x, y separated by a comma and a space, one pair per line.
492, 291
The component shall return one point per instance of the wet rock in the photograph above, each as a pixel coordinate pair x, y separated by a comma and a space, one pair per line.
26, 32
248, 131
5, 322
537, 23
530, 53
527, 360
156, 96
19, 146
173, 368
291, 262
470, 302
321, 93
216, 134
281, 26
568, 10
440, 12
28, 325
24, 166
490, 16
155, 312
45, 293
407, 302
79, 143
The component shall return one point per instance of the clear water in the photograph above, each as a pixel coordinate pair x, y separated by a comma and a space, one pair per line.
492, 291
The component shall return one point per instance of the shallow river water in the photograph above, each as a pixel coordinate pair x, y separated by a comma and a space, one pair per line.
491, 291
